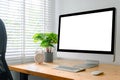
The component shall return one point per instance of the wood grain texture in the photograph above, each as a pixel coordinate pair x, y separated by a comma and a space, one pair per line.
111, 72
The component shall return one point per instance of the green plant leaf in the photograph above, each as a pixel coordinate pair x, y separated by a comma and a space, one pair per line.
46, 39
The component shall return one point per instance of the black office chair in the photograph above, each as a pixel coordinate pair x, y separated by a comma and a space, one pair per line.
4, 70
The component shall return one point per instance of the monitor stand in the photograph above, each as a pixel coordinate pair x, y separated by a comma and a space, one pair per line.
88, 64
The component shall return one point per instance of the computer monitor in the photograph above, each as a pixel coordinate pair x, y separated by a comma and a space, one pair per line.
87, 32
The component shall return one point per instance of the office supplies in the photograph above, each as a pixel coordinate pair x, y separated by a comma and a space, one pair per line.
88, 64
68, 68
96, 73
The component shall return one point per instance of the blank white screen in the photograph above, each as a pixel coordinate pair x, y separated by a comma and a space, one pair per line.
86, 32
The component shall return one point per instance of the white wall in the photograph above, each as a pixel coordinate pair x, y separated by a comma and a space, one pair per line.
71, 6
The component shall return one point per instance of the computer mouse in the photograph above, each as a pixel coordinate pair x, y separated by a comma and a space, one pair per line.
97, 72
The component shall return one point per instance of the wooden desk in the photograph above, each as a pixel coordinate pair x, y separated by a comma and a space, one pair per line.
111, 72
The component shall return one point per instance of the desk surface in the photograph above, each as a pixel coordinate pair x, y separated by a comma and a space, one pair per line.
111, 72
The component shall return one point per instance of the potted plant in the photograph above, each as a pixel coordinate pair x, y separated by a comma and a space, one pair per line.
47, 41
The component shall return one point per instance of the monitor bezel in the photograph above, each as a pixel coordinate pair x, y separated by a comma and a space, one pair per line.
89, 12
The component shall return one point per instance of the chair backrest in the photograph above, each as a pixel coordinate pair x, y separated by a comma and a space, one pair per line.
3, 39
4, 70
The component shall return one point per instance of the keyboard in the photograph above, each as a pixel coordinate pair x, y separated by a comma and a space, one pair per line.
86, 66
68, 68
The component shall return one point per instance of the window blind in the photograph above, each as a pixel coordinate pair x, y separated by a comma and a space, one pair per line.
24, 18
